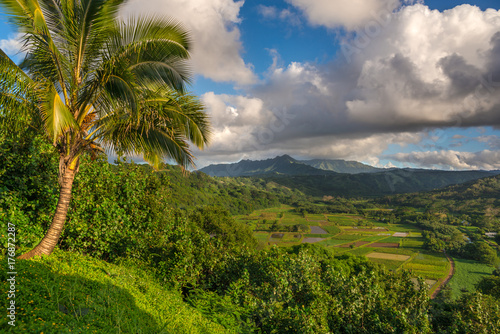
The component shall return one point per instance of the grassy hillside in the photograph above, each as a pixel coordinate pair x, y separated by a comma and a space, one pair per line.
71, 293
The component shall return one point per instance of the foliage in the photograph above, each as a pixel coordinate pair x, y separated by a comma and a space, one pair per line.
219, 224
122, 213
238, 195
117, 211
490, 285
304, 292
375, 184
472, 313
28, 184
92, 80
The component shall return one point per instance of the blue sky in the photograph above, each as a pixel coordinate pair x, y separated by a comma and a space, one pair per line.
385, 82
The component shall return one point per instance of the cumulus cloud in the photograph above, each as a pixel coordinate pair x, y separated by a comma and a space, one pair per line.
425, 70
255, 128
485, 160
419, 69
12, 46
347, 13
217, 49
268, 12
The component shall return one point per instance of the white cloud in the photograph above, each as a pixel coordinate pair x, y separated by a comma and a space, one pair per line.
486, 160
428, 65
348, 13
422, 70
12, 46
425, 69
217, 47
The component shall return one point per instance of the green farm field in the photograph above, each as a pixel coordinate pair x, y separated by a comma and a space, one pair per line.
356, 235
467, 274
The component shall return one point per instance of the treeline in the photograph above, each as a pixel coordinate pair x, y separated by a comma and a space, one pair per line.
330, 204
383, 183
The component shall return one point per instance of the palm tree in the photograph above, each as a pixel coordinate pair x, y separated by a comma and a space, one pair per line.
93, 82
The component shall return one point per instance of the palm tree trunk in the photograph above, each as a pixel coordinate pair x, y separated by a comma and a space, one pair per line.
49, 241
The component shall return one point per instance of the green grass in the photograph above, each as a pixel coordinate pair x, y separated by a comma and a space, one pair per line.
97, 297
312, 235
344, 220
467, 274
411, 242
430, 266
438, 260
261, 236
399, 251
395, 240
402, 228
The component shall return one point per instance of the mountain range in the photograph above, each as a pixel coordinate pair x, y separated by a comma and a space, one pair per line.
286, 165
346, 178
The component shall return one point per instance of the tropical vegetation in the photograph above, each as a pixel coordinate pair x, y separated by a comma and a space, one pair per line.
92, 82
165, 250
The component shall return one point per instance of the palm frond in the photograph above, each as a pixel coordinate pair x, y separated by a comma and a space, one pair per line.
154, 49
182, 111
56, 116
18, 108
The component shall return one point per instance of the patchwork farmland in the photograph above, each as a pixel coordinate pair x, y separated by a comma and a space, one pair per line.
396, 246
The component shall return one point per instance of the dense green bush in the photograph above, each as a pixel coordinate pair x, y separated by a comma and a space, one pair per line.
309, 291
117, 210
28, 186
472, 313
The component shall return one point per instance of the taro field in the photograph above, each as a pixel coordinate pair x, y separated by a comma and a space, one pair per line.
396, 246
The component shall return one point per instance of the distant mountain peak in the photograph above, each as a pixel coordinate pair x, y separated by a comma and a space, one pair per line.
284, 157
287, 165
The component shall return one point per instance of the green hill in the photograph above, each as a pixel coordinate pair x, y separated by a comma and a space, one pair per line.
477, 197
395, 181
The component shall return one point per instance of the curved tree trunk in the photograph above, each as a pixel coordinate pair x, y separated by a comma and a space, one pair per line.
49, 241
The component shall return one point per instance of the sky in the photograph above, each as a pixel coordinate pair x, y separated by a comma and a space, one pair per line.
389, 83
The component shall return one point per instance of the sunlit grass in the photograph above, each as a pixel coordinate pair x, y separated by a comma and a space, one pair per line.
70, 293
